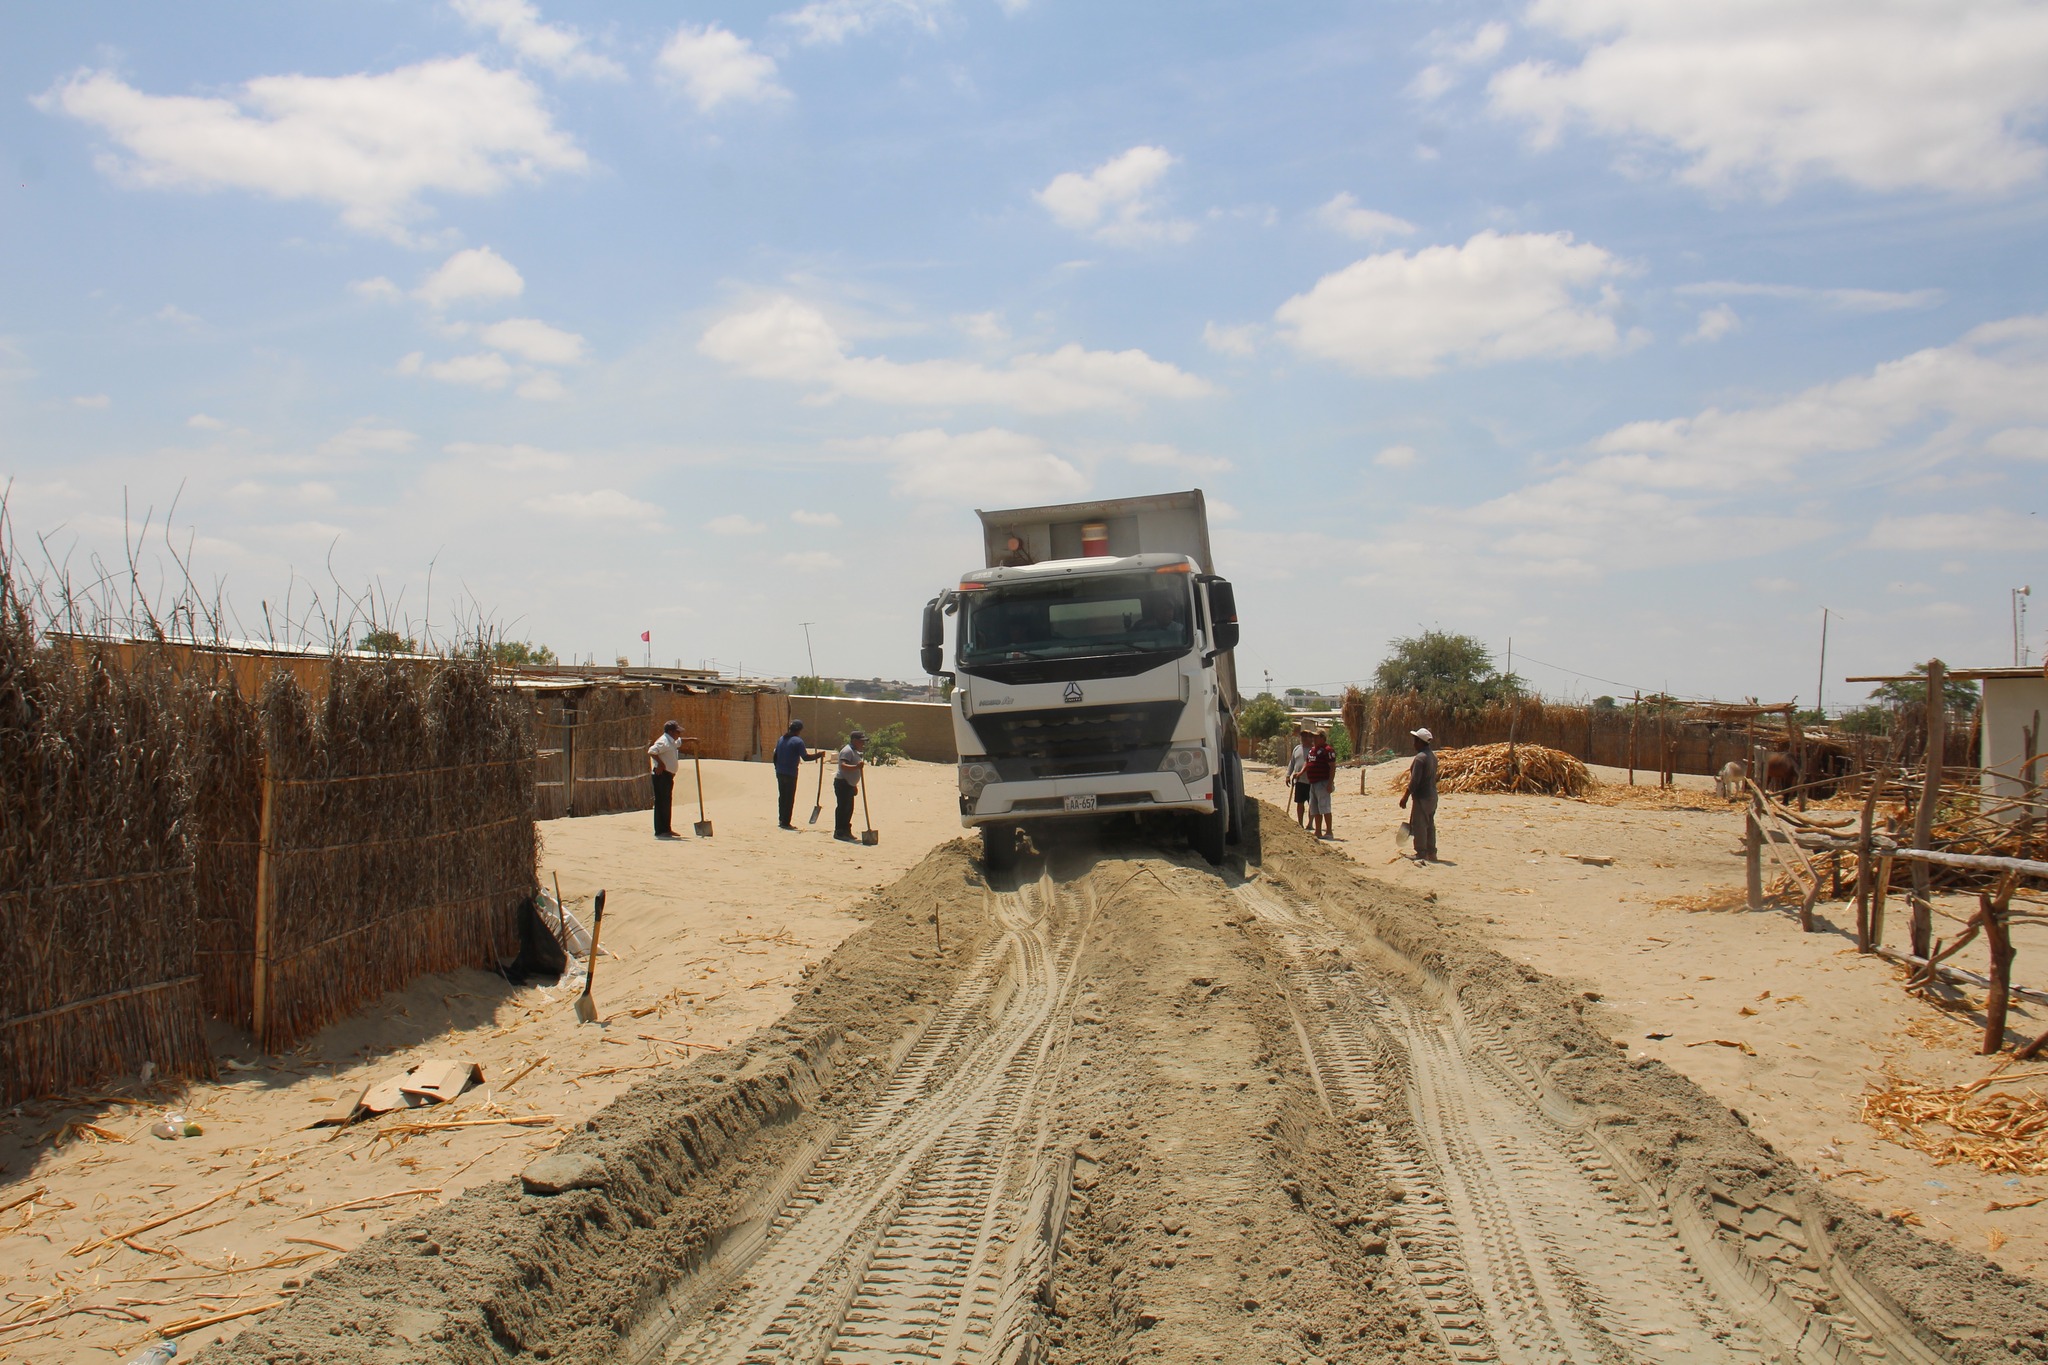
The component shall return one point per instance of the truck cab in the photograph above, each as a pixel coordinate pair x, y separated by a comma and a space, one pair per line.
1094, 684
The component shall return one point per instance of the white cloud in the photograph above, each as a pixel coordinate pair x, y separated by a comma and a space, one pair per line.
1716, 322
534, 340
793, 342
811, 561
735, 524
92, 400
1113, 202
1496, 298
1396, 457
983, 326
803, 518
605, 506
371, 145
716, 66
834, 21
2019, 443
1845, 300
368, 438
1906, 94
518, 26
2013, 532
542, 386
483, 369
1343, 214
977, 468
477, 273
1169, 457
1242, 339
377, 288
1438, 77
199, 421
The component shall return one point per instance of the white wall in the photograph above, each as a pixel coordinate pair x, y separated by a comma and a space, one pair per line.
2009, 704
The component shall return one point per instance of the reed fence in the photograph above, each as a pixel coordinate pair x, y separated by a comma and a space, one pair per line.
96, 870
593, 741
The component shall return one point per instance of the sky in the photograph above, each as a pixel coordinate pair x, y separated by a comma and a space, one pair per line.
1632, 334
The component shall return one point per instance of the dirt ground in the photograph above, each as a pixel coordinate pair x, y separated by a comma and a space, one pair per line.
714, 939
711, 936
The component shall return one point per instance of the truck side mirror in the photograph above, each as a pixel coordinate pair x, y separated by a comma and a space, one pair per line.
1222, 617
932, 654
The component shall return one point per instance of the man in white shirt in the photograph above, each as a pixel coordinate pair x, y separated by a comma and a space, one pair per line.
667, 753
846, 784
1299, 789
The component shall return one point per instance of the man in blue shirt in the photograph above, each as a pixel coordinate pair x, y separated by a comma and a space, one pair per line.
791, 753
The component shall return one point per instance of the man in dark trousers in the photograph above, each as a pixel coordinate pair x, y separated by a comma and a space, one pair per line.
847, 785
791, 753
667, 753
1420, 798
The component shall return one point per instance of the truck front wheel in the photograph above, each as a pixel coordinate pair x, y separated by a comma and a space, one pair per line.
1206, 831
998, 848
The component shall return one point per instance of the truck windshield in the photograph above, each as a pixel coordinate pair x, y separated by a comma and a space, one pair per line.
1116, 613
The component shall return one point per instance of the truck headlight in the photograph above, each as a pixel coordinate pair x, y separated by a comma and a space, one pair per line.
974, 775
1189, 762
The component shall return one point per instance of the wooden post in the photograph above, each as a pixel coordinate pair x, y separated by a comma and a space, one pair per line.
1865, 874
1753, 851
1997, 933
568, 758
1930, 798
1634, 717
266, 895
1877, 895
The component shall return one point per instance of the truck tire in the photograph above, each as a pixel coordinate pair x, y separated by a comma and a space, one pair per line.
1233, 785
998, 848
1206, 833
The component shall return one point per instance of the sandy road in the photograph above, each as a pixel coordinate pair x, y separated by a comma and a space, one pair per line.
930, 1227
909, 1237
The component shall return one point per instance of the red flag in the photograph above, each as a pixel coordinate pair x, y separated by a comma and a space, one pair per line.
647, 636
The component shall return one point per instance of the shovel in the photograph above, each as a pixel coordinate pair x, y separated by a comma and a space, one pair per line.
586, 1007
820, 797
868, 835
703, 826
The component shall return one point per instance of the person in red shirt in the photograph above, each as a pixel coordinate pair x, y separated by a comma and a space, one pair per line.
1319, 770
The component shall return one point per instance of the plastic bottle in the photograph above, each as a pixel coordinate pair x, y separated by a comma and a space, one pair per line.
159, 1354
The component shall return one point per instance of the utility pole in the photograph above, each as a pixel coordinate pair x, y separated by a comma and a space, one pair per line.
1820, 686
2019, 625
807, 647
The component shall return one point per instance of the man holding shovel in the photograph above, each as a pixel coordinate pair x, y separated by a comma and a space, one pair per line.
846, 785
791, 753
667, 753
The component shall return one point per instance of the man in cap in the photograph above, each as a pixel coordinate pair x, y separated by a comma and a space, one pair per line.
1296, 761
791, 753
1420, 798
846, 785
1319, 770
667, 753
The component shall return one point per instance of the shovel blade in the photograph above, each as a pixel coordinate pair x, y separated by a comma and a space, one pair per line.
586, 1009
816, 811
870, 838
703, 828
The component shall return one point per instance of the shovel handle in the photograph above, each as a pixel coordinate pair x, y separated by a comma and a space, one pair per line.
596, 926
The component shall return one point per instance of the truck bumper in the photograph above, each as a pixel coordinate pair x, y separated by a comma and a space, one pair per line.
1113, 795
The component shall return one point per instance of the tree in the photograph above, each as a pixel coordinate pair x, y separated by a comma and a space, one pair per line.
1264, 717
521, 654
804, 685
1960, 696
1604, 704
885, 744
1457, 669
383, 641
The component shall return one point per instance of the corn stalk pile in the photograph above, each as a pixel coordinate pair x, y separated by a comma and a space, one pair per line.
1519, 768
2004, 1133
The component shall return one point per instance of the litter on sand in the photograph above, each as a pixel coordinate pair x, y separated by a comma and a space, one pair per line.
1523, 768
2002, 1132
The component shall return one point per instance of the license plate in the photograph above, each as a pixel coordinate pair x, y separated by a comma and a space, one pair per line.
1081, 803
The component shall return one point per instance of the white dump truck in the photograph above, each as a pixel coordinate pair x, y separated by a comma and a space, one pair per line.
1091, 665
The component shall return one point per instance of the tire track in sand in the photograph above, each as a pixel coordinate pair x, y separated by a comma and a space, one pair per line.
902, 1242
1522, 1241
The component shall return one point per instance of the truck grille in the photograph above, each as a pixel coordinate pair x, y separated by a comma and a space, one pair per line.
1078, 741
